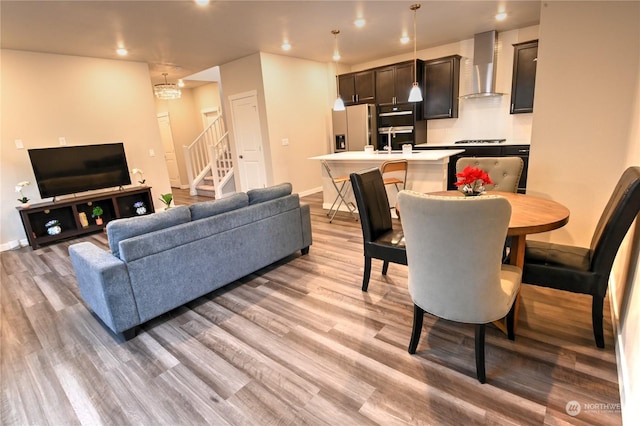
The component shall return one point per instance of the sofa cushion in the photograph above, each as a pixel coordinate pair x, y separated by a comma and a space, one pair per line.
215, 207
121, 229
261, 195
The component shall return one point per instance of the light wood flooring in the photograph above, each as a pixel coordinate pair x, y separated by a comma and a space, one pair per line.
295, 343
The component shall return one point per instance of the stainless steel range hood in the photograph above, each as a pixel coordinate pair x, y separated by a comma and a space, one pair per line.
484, 65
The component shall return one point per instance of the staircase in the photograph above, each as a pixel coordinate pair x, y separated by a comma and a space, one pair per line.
209, 162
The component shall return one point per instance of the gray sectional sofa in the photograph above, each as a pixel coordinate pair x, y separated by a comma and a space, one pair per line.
164, 260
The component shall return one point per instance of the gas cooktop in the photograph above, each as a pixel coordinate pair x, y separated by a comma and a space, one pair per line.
467, 141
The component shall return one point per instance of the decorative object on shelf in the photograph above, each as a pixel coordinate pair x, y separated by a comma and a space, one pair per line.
338, 105
53, 227
472, 181
140, 208
83, 219
415, 95
167, 91
166, 199
141, 173
97, 213
24, 201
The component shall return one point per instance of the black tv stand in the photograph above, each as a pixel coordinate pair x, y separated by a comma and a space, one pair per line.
115, 204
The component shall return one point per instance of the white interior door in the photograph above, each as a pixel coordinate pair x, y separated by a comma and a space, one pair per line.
169, 149
209, 116
248, 138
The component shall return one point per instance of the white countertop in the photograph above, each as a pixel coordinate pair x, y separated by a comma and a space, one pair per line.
460, 145
431, 155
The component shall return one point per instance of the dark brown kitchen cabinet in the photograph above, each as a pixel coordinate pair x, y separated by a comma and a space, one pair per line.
357, 87
523, 85
441, 87
394, 82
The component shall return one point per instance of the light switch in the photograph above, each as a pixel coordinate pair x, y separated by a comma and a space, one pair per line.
152, 153
285, 141
62, 140
19, 144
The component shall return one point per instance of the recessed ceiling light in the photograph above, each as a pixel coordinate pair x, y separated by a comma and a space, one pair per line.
501, 16
286, 46
405, 39
202, 2
359, 22
121, 51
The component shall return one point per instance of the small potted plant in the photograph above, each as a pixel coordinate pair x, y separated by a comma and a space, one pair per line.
166, 199
53, 227
24, 201
97, 213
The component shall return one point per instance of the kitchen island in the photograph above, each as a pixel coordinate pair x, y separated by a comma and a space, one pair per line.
427, 171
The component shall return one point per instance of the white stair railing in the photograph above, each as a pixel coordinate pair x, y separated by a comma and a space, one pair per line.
210, 152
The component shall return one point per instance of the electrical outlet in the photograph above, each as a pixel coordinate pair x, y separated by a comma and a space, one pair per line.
62, 140
19, 144
152, 153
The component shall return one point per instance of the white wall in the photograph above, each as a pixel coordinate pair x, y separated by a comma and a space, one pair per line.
296, 99
85, 100
584, 134
293, 103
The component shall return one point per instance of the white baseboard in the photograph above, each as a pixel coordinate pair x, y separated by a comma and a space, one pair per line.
310, 191
13, 245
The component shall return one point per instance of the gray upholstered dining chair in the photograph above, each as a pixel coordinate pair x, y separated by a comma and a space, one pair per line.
454, 254
505, 172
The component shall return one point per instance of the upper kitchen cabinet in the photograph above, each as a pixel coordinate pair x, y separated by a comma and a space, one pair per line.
525, 58
357, 87
394, 82
441, 87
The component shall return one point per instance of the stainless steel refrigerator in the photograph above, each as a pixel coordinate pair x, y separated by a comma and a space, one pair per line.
354, 128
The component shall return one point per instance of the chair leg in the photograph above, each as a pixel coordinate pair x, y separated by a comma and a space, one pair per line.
596, 318
418, 315
480, 373
367, 273
511, 334
385, 267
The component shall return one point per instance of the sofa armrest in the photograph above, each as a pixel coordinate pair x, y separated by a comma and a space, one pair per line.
104, 284
305, 216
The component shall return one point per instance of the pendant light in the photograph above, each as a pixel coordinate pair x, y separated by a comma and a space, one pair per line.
415, 95
338, 105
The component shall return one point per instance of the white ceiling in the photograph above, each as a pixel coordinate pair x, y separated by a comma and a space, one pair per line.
182, 38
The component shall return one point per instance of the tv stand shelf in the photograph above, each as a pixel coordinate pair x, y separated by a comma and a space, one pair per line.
68, 212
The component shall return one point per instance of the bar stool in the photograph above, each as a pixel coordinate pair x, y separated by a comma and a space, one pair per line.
395, 166
342, 191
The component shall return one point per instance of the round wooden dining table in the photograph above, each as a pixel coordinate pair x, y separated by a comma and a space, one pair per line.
529, 215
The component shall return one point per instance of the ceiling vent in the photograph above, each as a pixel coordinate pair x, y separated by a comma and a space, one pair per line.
484, 65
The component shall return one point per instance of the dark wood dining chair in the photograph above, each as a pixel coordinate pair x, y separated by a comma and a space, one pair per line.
587, 270
381, 240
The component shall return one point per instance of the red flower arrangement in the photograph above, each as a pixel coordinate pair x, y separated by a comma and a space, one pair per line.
472, 180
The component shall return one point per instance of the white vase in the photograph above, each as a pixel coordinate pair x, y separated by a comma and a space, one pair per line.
54, 230
141, 210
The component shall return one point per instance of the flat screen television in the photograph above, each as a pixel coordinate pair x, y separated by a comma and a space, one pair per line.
71, 169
